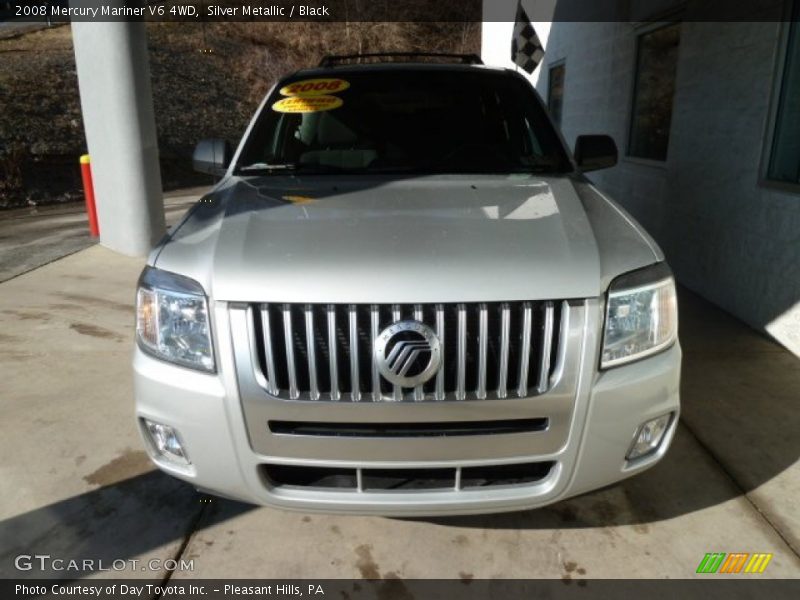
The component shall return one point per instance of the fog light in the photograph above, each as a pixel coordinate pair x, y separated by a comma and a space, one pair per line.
648, 437
166, 442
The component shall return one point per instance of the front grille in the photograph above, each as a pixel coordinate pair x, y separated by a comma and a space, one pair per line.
389, 480
488, 350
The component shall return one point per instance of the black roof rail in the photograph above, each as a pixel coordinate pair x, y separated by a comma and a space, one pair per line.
332, 60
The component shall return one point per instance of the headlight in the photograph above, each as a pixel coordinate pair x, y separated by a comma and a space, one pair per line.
172, 319
641, 315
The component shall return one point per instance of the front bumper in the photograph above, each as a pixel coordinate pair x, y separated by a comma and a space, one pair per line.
587, 446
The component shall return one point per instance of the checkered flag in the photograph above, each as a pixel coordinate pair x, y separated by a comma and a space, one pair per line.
526, 49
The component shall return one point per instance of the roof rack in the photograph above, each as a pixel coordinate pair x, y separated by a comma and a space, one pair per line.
332, 60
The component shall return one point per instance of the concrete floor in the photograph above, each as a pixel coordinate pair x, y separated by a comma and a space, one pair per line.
76, 483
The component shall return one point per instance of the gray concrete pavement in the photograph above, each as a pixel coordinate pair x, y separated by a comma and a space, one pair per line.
32, 237
75, 480
77, 485
741, 399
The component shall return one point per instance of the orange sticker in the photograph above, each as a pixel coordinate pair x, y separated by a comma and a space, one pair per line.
315, 87
298, 199
307, 104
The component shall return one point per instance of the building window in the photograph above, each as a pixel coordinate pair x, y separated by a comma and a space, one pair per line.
654, 91
784, 162
555, 92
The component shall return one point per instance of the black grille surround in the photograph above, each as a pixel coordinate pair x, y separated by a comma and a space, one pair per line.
324, 352
408, 430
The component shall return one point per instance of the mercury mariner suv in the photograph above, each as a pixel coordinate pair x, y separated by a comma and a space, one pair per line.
404, 297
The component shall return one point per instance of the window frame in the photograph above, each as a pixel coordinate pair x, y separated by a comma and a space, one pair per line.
771, 122
555, 65
641, 31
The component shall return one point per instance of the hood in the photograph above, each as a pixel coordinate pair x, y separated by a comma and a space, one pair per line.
378, 240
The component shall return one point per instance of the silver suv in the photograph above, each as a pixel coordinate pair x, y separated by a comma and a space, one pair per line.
403, 297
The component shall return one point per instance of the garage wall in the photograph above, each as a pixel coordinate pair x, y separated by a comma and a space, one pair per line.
727, 235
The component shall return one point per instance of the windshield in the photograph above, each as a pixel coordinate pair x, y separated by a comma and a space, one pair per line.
404, 121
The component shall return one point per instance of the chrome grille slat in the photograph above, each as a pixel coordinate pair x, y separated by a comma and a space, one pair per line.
397, 391
525, 352
440, 332
289, 341
312, 354
374, 329
269, 356
547, 347
505, 325
483, 349
489, 350
333, 359
355, 392
419, 391
461, 369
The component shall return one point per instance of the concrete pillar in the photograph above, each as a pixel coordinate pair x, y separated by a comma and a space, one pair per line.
117, 104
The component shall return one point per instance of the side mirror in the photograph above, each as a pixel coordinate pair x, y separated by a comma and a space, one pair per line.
593, 152
212, 156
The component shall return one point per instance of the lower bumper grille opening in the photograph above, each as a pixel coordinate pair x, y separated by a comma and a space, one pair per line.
520, 474
406, 480
312, 477
399, 430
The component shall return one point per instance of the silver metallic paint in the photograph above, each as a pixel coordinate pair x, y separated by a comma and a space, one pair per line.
444, 238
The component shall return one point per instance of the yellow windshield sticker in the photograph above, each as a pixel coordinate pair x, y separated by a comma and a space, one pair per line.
315, 87
306, 104
298, 199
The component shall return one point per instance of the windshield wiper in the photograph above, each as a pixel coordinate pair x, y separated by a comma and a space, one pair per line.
256, 168
308, 169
